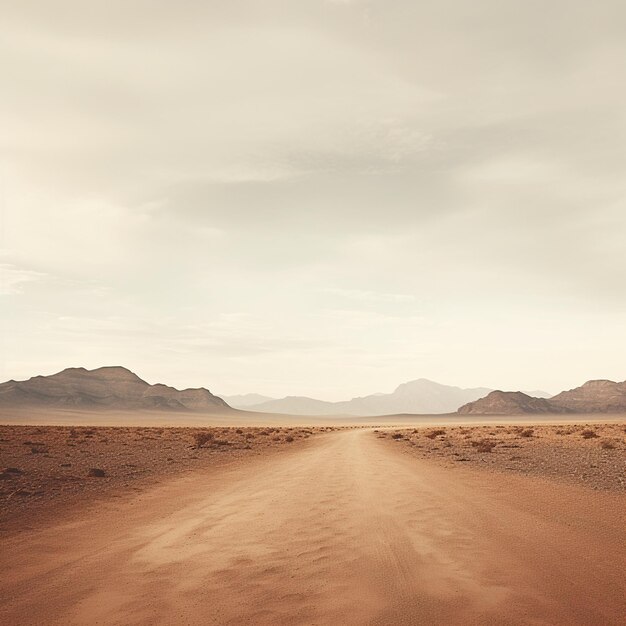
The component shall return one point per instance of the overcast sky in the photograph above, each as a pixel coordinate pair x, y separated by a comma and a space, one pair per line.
321, 198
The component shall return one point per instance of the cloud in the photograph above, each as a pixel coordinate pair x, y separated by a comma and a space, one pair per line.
297, 195
13, 280
371, 296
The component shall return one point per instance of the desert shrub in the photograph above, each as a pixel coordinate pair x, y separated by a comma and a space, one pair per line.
202, 437
607, 444
96, 472
484, 445
527, 432
239, 431
397, 436
588, 433
435, 433
289, 438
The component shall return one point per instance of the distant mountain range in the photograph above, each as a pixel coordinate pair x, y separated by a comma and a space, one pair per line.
417, 396
119, 388
246, 400
595, 396
105, 388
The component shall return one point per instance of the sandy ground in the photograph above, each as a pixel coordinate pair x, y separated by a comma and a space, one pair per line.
64, 416
584, 454
45, 469
344, 528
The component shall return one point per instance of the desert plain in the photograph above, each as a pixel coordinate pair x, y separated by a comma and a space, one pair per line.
492, 521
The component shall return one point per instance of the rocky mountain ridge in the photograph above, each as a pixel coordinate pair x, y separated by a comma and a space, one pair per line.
105, 388
594, 396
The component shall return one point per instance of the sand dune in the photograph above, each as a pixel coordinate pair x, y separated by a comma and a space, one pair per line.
345, 529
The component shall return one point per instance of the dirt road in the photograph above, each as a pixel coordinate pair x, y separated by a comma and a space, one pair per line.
344, 530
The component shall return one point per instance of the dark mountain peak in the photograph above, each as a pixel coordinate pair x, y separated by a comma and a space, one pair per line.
110, 387
107, 372
115, 372
500, 402
520, 395
600, 382
594, 396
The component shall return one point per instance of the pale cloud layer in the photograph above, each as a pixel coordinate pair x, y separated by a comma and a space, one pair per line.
314, 197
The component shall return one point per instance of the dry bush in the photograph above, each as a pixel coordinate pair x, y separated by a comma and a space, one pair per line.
527, 432
484, 445
96, 472
435, 433
289, 438
10, 472
588, 433
397, 436
607, 444
202, 437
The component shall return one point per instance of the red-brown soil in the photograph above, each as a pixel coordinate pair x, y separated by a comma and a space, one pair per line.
593, 455
47, 468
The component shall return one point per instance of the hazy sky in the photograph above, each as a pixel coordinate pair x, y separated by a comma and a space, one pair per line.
312, 197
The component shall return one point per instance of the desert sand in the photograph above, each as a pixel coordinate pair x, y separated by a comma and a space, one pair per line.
46, 469
345, 527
